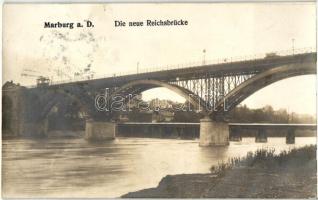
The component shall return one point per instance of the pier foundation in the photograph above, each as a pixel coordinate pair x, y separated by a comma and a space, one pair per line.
261, 136
290, 137
100, 130
235, 134
213, 133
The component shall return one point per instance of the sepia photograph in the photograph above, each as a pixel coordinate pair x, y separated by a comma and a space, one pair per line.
159, 100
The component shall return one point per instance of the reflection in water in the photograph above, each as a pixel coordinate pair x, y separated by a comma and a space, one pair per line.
78, 168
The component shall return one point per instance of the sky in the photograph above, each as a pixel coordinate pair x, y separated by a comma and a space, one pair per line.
222, 29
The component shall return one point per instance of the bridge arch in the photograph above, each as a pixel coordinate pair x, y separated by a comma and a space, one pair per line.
136, 87
259, 81
52, 98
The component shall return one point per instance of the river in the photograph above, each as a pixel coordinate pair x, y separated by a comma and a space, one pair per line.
78, 168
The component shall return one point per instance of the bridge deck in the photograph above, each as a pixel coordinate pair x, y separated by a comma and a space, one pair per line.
228, 67
255, 125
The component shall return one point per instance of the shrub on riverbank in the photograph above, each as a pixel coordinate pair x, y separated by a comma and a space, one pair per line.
266, 158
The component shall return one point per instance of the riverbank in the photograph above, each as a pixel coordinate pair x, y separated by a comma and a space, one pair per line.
262, 174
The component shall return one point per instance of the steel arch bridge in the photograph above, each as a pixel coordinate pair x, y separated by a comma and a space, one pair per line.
222, 85
218, 90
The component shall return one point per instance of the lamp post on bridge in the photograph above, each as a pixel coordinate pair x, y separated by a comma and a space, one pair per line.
203, 62
137, 67
293, 40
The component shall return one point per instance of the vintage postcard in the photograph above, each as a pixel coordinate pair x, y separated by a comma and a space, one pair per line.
159, 100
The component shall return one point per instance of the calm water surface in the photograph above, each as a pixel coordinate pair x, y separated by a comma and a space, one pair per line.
78, 168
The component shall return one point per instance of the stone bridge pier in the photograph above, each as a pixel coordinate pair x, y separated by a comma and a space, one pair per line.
213, 133
98, 131
290, 137
261, 135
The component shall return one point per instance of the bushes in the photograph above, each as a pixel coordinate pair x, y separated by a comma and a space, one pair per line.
266, 158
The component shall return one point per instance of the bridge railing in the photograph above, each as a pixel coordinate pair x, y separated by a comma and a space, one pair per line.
192, 64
